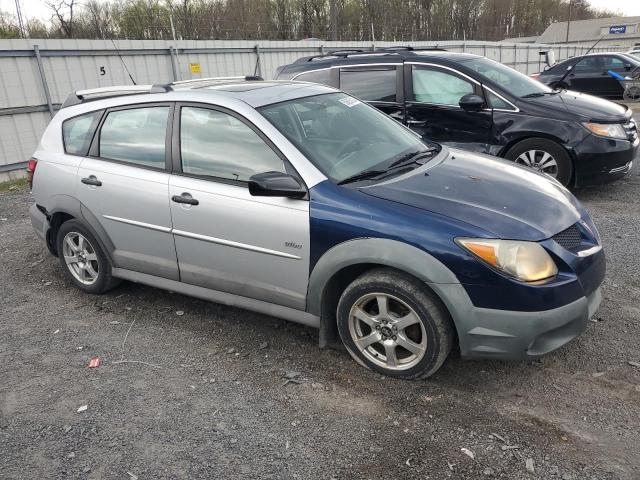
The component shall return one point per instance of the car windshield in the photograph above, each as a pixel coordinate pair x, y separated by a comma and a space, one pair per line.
634, 58
510, 80
346, 138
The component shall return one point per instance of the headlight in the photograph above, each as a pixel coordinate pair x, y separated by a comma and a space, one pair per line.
526, 261
612, 130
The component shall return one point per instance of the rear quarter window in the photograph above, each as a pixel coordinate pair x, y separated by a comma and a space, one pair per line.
77, 133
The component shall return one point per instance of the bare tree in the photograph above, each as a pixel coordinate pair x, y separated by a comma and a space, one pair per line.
63, 15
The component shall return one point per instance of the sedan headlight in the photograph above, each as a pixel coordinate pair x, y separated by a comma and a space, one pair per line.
526, 261
611, 130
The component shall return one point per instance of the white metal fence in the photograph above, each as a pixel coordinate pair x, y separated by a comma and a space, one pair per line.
37, 75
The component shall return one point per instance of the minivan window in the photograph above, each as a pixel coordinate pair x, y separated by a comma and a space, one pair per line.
510, 80
439, 87
343, 136
319, 76
372, 85
496, 102
216, 144
135, 136
77, 133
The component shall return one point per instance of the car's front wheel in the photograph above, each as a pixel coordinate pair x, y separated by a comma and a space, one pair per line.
543, 155
82, 259
391, 323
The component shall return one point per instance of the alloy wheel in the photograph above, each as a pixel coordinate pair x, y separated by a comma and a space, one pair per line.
539, 160
80, 257
387, 331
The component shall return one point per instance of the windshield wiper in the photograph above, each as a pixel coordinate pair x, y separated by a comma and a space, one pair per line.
413, 157
362, 175
540, 94
405, 160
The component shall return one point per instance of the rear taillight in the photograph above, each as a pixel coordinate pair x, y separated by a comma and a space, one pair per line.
31, 169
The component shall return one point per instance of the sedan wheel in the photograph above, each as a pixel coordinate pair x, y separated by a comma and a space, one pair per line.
80, 258
539, 160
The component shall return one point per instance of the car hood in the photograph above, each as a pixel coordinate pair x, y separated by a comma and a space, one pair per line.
590, 108
503, 199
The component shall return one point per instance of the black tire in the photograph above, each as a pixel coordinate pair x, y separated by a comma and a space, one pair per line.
558, 152
432, 314
104, 280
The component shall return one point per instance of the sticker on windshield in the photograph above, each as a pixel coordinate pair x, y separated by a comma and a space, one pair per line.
350, 101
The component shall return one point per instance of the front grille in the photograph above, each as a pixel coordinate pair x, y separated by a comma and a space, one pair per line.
631, 129
569, 239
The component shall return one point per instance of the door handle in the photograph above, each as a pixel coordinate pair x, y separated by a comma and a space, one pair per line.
418, 123
91, 180
185, 198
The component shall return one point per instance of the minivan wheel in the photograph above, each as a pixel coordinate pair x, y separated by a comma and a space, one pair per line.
544, 156
82, 259
391, 323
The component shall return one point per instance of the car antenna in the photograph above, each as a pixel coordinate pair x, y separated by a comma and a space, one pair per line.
570, 69
122, 60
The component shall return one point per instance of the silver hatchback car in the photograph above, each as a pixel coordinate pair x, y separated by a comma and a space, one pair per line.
300, 201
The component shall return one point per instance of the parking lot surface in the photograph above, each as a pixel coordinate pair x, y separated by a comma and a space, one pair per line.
190, 389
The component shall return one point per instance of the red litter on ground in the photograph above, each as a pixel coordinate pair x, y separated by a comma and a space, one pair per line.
94, 362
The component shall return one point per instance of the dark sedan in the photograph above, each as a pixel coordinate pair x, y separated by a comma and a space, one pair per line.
590, 73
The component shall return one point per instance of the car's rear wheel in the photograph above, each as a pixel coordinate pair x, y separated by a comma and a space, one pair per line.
543, 155
82, 259
391, 323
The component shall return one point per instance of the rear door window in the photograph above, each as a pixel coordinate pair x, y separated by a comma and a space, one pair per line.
370, 84
589, 65
77, 133
136, 136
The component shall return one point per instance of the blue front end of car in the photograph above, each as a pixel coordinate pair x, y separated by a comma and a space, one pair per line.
462, 195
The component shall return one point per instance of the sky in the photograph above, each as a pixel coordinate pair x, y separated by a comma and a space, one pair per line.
38, 8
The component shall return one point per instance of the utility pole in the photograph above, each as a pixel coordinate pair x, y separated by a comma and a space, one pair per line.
23, 32
568, 22
333, 20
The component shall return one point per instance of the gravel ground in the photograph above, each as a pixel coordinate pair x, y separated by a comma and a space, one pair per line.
213, 401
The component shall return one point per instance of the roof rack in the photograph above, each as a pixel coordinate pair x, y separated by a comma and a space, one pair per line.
344, 53
409, 48
82, 96
213, 80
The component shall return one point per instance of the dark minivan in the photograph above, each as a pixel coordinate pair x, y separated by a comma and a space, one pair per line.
473, 103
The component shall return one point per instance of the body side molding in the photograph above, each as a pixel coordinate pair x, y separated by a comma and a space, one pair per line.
291, 314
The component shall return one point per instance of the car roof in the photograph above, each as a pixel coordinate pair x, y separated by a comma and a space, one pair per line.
260, 93
390, 55
229, 92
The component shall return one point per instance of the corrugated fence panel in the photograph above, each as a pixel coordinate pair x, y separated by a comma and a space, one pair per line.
70, 65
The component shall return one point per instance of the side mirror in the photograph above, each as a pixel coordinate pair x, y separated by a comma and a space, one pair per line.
275, 184
549, 57
471, 102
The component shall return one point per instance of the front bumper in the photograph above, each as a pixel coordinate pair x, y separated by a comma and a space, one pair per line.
601, 160
515, 335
